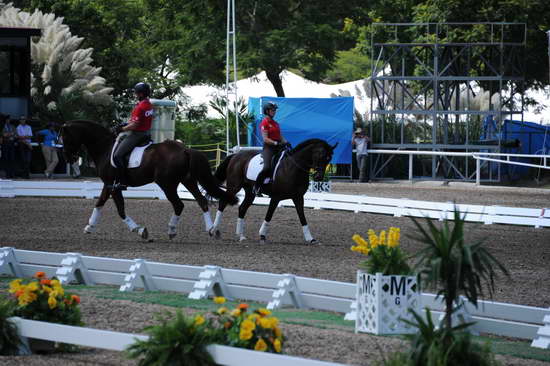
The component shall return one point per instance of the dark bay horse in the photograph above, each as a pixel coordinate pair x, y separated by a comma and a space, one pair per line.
167, 164
291, 182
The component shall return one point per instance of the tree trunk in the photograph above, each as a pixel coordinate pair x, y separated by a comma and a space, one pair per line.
275, 79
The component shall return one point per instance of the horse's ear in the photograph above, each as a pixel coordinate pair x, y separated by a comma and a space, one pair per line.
334, 146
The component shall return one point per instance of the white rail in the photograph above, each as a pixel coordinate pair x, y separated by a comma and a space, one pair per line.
117, 341
535, 217
498, 318
479, 156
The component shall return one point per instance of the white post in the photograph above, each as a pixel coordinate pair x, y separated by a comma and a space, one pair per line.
478, 172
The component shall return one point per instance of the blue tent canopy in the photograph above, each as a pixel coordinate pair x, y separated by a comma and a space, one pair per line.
330, 119
534, 139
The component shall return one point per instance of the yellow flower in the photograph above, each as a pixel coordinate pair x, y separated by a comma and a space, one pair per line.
359, 240
15, 286
254, 317
199, 319
278, 332
222, 310
52, 302
274, 322
33, 286
245, 335
264, 312
260, 345
383, 237
248, 325
47, 289
219, 300
235, 312
266, 323
277, 345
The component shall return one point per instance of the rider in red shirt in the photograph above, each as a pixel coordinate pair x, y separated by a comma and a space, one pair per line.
133, 133
273, 142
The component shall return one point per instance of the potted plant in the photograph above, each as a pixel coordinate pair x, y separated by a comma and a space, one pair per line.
386, 290
182, 340
45, 300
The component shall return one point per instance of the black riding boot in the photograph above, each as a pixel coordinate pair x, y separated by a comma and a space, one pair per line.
259, 184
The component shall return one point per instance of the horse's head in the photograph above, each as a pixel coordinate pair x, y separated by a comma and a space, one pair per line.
71, 142
321, 155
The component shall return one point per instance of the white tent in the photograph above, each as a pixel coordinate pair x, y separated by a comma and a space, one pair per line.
296, 86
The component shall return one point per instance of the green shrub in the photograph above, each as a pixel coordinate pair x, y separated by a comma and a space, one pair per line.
178, 340
9, 337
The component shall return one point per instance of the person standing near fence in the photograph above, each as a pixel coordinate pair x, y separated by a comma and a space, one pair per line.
361, 143
48, 149
24, 135
9, 135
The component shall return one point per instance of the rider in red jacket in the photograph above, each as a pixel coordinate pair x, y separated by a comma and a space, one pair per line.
133, 133
273, 143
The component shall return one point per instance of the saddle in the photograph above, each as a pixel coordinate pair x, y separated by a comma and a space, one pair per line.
256, 165
133, 160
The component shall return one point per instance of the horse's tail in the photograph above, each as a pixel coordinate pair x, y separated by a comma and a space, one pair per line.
200, 168
221, 172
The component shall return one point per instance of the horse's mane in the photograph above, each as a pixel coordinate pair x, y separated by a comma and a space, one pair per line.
309, 142
89, 123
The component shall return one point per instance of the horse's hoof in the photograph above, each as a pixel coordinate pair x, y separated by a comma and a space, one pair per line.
171, 236
262, 239
89, 229
314, 242
211, 231
217, 234
142, 231
242, 238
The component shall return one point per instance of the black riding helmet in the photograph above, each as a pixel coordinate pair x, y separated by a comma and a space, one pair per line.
142, 88
269, 106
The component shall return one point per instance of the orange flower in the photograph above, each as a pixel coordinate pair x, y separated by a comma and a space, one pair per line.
40, 275
242, 307
75, 298
46, 282
19, 293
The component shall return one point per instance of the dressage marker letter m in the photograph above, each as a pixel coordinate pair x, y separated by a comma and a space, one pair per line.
398, 288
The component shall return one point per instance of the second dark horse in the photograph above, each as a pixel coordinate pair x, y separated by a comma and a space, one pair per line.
291, 182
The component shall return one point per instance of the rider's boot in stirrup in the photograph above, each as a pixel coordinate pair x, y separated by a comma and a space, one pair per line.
120, 180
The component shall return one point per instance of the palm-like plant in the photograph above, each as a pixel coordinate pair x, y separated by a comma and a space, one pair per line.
454, 266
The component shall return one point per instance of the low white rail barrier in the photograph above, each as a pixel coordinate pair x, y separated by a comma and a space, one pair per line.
275, 289
478, 155
536, 217
117, 341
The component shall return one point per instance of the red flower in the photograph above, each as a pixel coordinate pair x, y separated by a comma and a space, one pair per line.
40, 275
46, 282
19, 293
75, 298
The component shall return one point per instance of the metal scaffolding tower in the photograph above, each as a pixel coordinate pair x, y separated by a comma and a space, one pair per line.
426, 84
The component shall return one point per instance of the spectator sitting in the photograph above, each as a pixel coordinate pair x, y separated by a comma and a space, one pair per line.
24, 135
8, 146
49, 150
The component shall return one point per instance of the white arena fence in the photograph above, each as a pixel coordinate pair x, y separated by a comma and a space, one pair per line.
536, 217
117, 341
276, 290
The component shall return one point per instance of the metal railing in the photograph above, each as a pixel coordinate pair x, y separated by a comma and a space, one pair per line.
478, 156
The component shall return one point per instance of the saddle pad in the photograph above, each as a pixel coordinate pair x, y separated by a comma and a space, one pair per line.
135, 156
256, 164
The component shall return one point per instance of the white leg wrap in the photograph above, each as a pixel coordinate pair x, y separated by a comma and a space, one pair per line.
94, 219
240, 227
264, 228
131, 224
307, 234
174, 221
218, 219
207, 220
